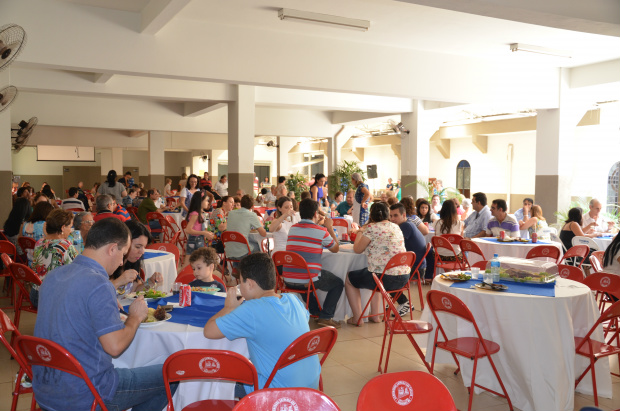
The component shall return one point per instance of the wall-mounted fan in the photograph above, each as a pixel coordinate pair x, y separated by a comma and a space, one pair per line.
398, 127
270, 143
7, 96
12, 41
22, 133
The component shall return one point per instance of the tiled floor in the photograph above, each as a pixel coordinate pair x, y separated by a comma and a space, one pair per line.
352, 362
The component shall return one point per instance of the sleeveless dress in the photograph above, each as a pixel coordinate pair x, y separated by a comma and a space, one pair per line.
360, 214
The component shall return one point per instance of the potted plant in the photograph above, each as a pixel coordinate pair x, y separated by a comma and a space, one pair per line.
340, 179
297, 183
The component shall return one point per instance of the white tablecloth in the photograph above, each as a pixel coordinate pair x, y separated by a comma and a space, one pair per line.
537, 360
514, 249
154, 344
603, 242
165, 264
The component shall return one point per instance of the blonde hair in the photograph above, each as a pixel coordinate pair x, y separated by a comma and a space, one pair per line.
537, 212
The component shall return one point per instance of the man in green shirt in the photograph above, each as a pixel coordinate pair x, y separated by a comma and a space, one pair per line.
147, 206
344, 206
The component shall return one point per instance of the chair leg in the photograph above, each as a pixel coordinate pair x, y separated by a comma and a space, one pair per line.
419, 293
383, 345
362, 316
593, 372
420, 353
473, 384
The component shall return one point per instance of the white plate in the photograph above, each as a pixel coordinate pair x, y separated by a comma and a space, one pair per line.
154, 323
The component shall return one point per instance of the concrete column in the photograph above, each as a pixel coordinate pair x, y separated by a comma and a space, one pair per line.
415, 148
555, 134
6, 167
156, 160
241, 125
117, 161
106, 163
213, 165
285, 144
329, 162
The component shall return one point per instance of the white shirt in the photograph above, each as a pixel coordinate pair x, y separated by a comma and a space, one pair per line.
455, 229
280, 236
600, 221
222, 189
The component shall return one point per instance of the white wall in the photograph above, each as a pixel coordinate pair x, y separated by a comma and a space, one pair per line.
25, 163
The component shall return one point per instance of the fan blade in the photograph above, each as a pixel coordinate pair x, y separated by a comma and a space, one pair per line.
12, 41
22, 124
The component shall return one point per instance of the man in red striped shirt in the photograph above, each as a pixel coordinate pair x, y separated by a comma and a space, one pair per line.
308, 238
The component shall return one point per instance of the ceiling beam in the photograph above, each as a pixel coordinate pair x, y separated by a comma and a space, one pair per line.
198, 109
102, 78
157, 13
361, 142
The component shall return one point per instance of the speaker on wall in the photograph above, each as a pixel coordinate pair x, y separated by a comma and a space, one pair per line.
371, 171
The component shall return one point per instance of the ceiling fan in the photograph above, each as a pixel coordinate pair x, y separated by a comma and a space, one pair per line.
12, 42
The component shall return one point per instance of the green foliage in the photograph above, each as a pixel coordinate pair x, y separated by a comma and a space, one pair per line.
584, 204
340, 179
445, 194
297, 183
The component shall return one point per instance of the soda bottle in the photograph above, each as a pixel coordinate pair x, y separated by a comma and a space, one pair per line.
495, 265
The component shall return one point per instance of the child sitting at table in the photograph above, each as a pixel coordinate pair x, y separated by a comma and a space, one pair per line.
203, 261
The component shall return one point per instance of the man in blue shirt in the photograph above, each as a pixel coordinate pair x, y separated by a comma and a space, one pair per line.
414, 241
476, 223
79, 311
268, 321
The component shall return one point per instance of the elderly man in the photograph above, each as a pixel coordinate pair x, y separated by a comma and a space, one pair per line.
595, 220
79, 311
344, 207
523, 213
83, 221
72, 201
106, 204
476, 223
221, 187
501, 221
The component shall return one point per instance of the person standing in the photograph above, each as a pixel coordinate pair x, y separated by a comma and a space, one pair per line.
317, 190
362, 197
186, 194
221, 187
112, 187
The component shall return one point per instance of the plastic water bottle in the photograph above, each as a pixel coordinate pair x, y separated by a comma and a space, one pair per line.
77, 241
495, 265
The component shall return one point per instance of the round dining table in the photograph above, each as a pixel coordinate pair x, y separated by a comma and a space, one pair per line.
537, 360
603, 242
163, 262
490, 246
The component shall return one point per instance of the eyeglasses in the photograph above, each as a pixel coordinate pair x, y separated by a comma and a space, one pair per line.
88, 222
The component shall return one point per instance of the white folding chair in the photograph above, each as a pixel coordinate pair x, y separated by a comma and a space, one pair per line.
578, 239
556, 239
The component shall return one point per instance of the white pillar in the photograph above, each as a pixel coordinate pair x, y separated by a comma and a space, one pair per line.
414, 152
106, 163
117, 161
285, 145
157, 160
241, 125
6, 166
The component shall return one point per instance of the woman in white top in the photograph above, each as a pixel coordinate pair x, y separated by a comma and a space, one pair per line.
113, 187
285, 217
186, 194
611, 258
448, 223
435, 204
536, 223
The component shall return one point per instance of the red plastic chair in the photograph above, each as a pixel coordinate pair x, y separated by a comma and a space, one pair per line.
298, 399
544, 251
470, 347
172, 222
26, 243
168, 230
319, 341
133, 212
438, 243
186, 276
482, 265
595, 350
46, 353
7, 326
201, 364
168, 247
234, 237
182, 239
154, 216
171, 202
397, 325
8, 248
294, 260
405, 391
341, 222
469, 246
596, 261
570, 272
415, 277
605, 285
22, 275
455, 239
577, 251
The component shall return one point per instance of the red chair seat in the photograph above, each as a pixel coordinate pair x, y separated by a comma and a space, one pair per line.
467, 346
410, 327
211, 405
600, 349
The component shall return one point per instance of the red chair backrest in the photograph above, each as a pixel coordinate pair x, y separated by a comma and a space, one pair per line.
570, 272
441, 242
154, 215
405, 391
23, 274
439, 301
470, 247
171, 248
172, 222
596, 260
454, 239
26, 243
604, 282
407, 258
235, 237
198, 364
184, 224
482, 265
6, 325
544, 251
45, 353
6, 260
9, 248
311, 343
290, 259
301, 399
186, 275
340, 222
580, 250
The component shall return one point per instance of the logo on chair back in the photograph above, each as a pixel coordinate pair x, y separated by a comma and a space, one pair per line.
233, 237
545, 251
162, 248
564, 273
21, 272
313, 343
605, 282
402, 393
285, 404
439, 242
446, 303
209, 365
466, 246
403, 259
288, 259
44, 353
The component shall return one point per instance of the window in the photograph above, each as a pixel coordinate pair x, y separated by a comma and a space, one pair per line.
463, 177
612, 187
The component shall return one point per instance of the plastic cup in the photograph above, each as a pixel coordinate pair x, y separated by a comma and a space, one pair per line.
176, 287
474, 273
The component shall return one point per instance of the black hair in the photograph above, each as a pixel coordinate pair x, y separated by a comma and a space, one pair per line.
317, 178
281, 179
611, 251
189, 178
20, 191
501, 204
574, 215
308, 208
400, 207
111, 179
40, 212
447, 216
379, 212
107, 231
195, 204
47, 190
263, 191
529, 200
19, 212
73, 191
247, 202
480, 198
260, 268
427, 217
280, 203
137, 230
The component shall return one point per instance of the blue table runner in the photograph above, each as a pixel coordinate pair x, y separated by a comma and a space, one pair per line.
204, 306
495, 240
542, 289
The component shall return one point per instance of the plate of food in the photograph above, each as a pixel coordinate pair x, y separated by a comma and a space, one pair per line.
207, 290
523, 240
456, 277
491, 287
506, 239
149, 295
155, 317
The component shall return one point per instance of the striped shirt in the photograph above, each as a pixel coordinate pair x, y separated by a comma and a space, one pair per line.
307, 239
509, 225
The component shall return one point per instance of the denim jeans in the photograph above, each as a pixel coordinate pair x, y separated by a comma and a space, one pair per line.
332, 285
141, 389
